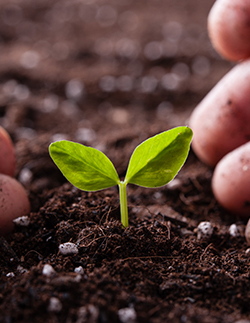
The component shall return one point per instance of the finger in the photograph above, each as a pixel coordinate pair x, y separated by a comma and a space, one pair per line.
231, 179
221, 122
7, 156
229, 28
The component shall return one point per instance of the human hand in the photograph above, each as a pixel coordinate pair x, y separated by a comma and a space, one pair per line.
14, 200
221, 122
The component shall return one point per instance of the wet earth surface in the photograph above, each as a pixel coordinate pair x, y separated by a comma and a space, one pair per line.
110, 74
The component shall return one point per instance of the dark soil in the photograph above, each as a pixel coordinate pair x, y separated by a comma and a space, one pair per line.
110, 74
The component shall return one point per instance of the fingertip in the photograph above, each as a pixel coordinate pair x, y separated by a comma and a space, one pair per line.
230, 182
221, 121
229, 28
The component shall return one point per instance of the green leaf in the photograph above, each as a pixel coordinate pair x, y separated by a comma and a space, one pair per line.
85, 167
157, 160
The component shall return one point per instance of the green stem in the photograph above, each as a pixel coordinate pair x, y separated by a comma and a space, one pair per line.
123, 203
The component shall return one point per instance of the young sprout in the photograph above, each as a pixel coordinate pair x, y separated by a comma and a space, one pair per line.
154, 163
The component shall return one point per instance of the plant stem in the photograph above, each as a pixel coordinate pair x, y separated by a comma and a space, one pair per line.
123, 203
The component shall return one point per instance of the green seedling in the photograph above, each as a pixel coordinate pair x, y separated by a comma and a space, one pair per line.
154, 163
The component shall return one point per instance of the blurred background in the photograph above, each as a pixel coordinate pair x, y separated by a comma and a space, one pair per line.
104, 73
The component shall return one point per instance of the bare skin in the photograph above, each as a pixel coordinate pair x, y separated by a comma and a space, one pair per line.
229, 28
7, 157
14, 201
221, 122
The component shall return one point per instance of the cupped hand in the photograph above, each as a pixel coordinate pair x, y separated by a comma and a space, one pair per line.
221, 122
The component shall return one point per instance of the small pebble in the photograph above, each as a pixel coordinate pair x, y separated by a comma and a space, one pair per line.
25, 176
87, 313
85, 135
119, 115
127, 315
22, 221
247, 252
157, 195
79, 270
21, 270
59, 136
204, 230
54, 305
48, 270
68, 248
233, 230
174, 184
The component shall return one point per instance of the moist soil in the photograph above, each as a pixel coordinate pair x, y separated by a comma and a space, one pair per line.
110, 74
